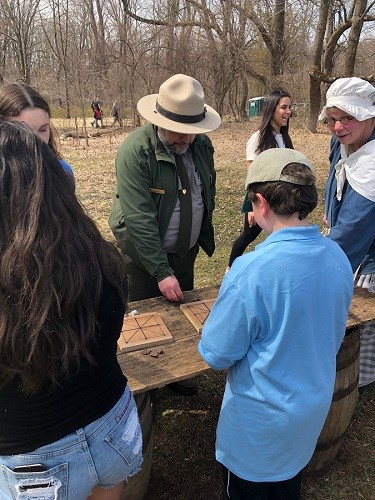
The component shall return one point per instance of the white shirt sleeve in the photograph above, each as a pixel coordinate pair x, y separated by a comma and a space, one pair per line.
251, 146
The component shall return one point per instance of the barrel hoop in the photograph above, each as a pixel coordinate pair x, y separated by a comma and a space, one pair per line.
345, 392
347, 362
330, 444
146, 436
136, 486
143, 402
350, 338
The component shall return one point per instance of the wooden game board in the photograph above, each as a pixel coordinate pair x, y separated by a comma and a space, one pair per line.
143, 330
197, 312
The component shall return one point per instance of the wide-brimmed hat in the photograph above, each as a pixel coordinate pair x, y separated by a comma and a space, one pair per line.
179, 107
352, 95
268, 166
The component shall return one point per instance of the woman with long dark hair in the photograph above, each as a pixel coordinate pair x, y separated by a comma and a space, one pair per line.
21, 103
68, 422
273, 132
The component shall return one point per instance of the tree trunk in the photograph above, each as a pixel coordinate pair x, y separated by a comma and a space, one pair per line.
354, 36
277, 54
314, 91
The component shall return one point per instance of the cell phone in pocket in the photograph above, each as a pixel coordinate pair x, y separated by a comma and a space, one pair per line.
30, 468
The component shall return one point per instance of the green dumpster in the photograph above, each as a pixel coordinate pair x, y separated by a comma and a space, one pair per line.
255, 106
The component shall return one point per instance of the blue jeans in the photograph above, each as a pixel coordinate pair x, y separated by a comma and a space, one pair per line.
103, 453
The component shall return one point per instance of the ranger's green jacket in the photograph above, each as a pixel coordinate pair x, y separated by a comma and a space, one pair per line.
147, 190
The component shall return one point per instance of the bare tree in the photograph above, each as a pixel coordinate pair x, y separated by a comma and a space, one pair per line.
56, 31
215, 35
124, 49
358, 18
4, 44
315, 96
230, 27
321, 70
269, 19
98, 30
19, 19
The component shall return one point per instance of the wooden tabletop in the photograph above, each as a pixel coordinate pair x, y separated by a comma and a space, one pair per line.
180, 359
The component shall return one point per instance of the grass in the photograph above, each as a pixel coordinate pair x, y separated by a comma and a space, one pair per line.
184, 467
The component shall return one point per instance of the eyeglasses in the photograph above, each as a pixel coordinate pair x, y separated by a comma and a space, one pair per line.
332, 121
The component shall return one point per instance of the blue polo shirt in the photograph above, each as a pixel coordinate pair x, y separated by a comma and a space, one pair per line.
277, 325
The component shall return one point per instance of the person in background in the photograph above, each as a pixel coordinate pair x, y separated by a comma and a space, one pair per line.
272, 133
96, 107
276, 326
115, 113
21, 103
164, 200
349, 113
62, 301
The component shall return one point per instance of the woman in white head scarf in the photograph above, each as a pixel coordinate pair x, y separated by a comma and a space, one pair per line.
350, 190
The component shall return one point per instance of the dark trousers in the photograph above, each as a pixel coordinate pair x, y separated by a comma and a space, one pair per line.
236, 488
144, 286
243, 241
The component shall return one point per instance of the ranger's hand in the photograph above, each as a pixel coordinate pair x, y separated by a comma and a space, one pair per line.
170, 288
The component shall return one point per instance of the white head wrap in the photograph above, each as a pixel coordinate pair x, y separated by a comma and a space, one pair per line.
352, 95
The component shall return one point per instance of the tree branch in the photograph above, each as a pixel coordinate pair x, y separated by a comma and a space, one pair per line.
316, 73
168, 23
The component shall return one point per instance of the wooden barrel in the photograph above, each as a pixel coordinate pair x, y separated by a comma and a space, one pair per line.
136, 487
345, 397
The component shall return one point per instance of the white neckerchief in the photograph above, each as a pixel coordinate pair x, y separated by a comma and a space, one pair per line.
358, 169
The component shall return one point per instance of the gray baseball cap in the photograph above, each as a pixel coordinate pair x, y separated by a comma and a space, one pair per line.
269, 164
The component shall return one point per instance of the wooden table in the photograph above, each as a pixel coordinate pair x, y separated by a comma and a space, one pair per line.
180, 358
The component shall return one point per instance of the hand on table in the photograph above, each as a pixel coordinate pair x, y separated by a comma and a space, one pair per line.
170, 288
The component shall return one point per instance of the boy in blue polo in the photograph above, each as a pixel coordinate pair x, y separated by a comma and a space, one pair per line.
277, 326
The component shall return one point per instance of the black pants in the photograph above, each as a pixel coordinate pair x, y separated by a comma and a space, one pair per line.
142, 285
236, 488
245, 238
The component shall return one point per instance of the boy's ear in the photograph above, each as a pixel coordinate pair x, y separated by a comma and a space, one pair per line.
263, 204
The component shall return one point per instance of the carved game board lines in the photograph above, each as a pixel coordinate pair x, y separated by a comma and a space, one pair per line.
143, 330
197, 312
